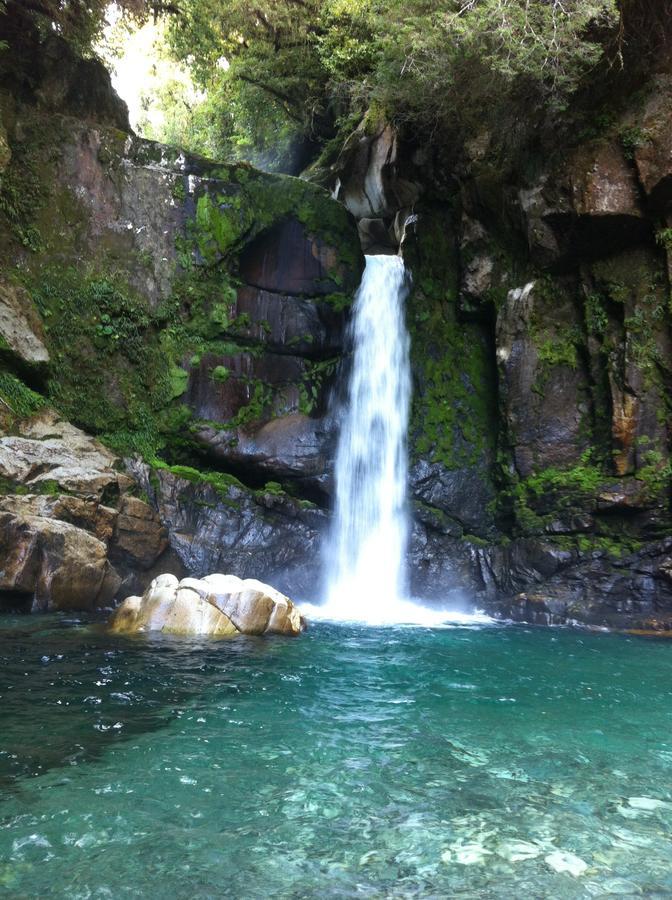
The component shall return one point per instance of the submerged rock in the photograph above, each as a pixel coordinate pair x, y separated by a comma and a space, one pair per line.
217, 605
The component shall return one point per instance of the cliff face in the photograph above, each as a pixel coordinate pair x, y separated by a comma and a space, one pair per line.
542, 361
185, 313
190, 316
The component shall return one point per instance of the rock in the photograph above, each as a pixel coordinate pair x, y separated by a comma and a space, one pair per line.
589, 205
88, 514
53, 565
542, 384
287, 259
517, 851
367, 179
637, 358
650, 128
50, 449
65, 82
217, 605
21, 329
295, 447
481, 269
648, 804
375, 236
286, 324
265, 534
221, 385
562, 861
138, 532
465, 494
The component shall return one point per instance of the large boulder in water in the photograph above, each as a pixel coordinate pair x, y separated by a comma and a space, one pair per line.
218, 605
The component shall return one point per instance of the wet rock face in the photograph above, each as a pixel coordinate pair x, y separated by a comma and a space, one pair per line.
289, 260
545, 586
250, 533
287, 324
541, 378
21, 329
294, 447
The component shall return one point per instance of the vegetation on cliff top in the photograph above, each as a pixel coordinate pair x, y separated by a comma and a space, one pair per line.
281, 77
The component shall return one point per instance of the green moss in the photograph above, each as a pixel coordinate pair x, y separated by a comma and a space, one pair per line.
219, 225
240, 203
109, 374
22, 193
591, 543
632, 137
537, 500
179, 381
453, 418
561, 349
17, 399
221, 481
49, 488
453, 414
655, 474
220, 373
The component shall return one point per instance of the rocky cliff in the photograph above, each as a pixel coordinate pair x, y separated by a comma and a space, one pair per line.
172, 328
542, 360
181, 316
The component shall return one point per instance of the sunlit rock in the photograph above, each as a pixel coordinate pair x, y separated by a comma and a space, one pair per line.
562, 861
517, 851
52, 565
217, 605
648, 804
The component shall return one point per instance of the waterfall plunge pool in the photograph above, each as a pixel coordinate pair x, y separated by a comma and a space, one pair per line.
350, 762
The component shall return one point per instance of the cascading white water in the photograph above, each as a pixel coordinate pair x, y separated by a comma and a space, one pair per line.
365, 552
367, 548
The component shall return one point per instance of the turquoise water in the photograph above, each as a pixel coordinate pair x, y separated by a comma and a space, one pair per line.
351, 762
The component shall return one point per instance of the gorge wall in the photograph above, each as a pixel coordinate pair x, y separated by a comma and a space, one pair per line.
172, 330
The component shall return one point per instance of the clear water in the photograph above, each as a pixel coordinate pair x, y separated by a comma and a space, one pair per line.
366, 549
350, 762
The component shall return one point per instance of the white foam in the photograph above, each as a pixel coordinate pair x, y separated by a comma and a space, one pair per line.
398, 612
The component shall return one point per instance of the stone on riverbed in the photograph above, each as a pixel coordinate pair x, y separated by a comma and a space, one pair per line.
217, 605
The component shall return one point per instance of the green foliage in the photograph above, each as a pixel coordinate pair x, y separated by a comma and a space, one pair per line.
664, 238
21, 197
596, 316
294, 70
220, 373
78, 22
560, 350
109, 374
632, 137
18, 399
656, 474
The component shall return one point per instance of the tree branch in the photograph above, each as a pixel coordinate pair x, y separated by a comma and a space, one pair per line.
284, 99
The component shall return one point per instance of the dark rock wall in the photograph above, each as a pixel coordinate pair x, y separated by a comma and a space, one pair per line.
540, 327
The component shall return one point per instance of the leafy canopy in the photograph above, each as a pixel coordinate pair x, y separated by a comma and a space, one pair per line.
301, 66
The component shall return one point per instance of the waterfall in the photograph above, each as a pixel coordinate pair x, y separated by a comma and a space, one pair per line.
366, 550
